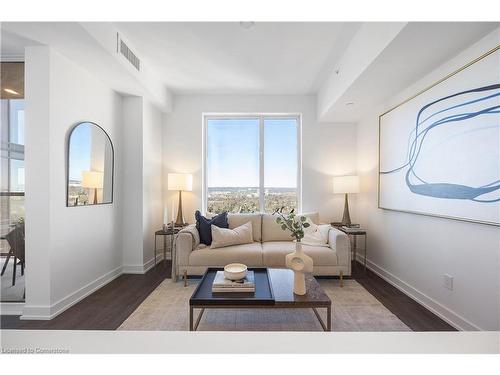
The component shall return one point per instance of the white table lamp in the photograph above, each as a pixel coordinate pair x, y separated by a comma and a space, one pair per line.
180, 182
93, 180
346, 185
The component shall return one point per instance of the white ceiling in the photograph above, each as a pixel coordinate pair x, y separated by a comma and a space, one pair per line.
418, 49
93, 46
12, 46
223, 57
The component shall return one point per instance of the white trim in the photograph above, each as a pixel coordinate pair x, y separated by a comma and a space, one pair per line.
139, 269
262, 184
151, 263
261, 117
136, 269
203, 164
28, 312
299, 163
50, 312
36, 313
12, 58
429, 303
11, 308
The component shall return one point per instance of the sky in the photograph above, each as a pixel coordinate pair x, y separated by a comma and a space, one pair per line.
80, 151
233, 152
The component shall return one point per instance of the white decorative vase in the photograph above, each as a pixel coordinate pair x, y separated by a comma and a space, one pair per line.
299, 263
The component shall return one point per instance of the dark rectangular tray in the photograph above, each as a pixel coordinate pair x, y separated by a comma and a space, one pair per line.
263, 294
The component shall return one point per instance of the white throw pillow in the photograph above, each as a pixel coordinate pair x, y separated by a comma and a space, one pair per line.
325, 231
222, 237
314, 235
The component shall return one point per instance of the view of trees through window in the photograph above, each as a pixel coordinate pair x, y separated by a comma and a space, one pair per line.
251, 163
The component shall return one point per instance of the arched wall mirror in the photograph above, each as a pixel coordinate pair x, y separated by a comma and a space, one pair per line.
89, 166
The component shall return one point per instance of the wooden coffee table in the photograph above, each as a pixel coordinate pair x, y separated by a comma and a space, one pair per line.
273, 289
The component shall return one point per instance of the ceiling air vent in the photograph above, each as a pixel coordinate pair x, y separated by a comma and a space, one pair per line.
123, 49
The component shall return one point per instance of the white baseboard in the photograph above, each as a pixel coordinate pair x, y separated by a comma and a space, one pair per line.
429, 303
50, 312
133, 269
31, 312
11, 308
28, 312
140, 269
151, 263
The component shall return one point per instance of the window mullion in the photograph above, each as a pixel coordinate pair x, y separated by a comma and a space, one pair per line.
261, 163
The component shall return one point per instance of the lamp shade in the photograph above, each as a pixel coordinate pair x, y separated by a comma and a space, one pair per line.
346, 184
92, 179
180, 181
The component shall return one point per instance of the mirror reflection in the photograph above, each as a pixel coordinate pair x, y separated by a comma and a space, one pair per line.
90, 166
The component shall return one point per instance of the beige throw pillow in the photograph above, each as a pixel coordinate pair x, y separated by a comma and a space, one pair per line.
222, 237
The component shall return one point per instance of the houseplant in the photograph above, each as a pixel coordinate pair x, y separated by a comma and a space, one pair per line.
297, 261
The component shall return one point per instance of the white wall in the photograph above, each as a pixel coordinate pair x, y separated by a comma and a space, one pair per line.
142, 179
70, 251
132, 184
327, 149
37, 167
413, 251
152, 180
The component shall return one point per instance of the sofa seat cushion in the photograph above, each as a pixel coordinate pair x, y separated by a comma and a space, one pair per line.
249, 254
274, 253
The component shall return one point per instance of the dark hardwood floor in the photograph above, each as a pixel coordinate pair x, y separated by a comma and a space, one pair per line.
410, 312
107, 308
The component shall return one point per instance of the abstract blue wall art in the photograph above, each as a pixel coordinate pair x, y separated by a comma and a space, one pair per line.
440, 150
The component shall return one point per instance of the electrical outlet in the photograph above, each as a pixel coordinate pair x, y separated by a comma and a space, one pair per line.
448, 281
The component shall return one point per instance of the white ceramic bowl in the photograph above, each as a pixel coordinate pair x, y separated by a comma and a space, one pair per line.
235, 271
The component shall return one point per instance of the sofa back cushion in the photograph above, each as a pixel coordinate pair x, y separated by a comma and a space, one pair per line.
271, 231
223, 237
235, 220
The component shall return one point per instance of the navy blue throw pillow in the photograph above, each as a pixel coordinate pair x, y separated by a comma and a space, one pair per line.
204, 225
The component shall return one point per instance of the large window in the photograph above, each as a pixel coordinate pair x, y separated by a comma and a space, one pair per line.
252, 163
11, 165
12, 180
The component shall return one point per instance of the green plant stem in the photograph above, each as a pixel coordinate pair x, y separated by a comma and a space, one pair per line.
289, 221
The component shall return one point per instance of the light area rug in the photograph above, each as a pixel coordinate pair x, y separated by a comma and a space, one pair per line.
353, 309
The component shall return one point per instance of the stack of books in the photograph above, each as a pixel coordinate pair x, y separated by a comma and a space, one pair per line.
223, 285
352, 229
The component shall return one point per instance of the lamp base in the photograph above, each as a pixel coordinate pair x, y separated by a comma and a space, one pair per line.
346, 218
179, 222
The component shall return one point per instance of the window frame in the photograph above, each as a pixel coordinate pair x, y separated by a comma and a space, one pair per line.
10, 151
261, 117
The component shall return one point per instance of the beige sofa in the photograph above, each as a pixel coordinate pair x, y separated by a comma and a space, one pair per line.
271, 245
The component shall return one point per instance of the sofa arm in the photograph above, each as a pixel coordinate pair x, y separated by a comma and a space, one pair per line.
187, 240
339, 241
184, 246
